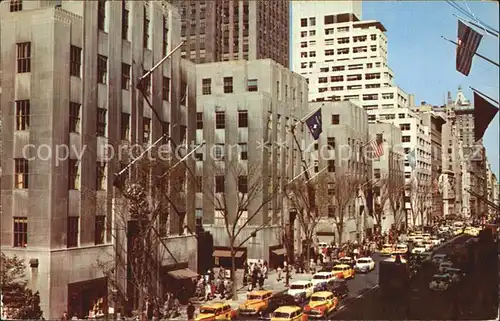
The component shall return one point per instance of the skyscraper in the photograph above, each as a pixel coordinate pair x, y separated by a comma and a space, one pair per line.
224, 30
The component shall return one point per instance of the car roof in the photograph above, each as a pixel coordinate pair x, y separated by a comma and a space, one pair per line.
323, 273
341, 266
365, 258
322, 293
214, 305
301, 282
287, 308
440, 275
260, 292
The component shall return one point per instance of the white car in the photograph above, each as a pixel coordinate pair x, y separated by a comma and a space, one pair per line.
438, 258
297, 288
364, 265
401, 248
321, 277
440, 282
435, 240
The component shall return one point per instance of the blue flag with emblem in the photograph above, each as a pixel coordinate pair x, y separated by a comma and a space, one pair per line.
315, 124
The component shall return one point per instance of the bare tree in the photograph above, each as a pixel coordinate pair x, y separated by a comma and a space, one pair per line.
240, 196
308, 199
417, 201
392, 192
345, 190
141, 214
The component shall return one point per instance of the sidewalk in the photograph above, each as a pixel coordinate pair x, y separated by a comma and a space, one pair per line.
271, 283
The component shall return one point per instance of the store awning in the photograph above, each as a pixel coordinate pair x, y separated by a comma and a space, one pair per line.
183, 274
227, 253
279, 251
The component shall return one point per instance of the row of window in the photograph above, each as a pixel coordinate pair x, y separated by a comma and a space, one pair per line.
206, 85
328, 20
20, 231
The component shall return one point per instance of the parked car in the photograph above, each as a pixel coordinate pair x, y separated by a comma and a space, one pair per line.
321, 277
256, 302
277, 301
440, 282
364, 265
321, 304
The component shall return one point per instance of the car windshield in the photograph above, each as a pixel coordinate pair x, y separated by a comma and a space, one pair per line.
440, 277
317, 298
320, 277
401, 246
207, 310
297, 286
254, 297
283, 315
363, 261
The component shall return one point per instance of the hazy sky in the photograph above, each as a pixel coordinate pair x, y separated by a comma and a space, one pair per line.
424, 63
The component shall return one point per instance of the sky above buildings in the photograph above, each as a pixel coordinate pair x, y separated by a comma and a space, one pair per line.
424, 63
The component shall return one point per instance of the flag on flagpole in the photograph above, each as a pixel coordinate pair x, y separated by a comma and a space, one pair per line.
314, 123
412, 160
377, 146
484, 112
468, 42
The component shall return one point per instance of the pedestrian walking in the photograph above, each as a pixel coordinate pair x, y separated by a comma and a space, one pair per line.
190, 311
278, 272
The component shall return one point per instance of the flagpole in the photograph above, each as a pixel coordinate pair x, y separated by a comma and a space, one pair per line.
486, 96
475, 53
478, 26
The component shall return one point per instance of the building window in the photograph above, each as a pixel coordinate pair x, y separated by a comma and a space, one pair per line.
405, 126
102, 69
101, 121
331, 166
220, 120
242, 184
376, 173
72, 232
405, 139
219, 184
312, 21
219, 152
101, 14
146, 129
228, 85
100, 176
243, 151
330, 141
20, 231
16, 5
303, 22
165, 35
74, 117
335, 119
252, 85
199, 184
23, 57
73, 175
146, 85
166, 88
146, 27
125, 15
75, 65
100, 221
206, 86
22, 114
199, 120
242, 119
125, 126
21, 172
125, 76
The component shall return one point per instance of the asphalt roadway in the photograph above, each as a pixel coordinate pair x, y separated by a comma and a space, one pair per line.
475, 298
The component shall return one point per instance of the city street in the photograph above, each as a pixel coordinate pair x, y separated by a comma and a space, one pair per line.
473, 299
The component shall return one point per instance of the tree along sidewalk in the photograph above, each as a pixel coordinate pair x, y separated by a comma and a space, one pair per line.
271, 283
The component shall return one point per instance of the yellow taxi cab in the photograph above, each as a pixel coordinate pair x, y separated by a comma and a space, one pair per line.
216, 311
472, 231
400, 249
458, 231
343, 271
321, 304
387, 249
289, 313
256, 302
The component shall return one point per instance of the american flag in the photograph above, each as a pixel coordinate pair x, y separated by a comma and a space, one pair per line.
377, 146
468, 42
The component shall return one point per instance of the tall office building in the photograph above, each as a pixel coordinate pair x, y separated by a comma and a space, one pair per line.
222, 30
244, 113
343, 57
70, 70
